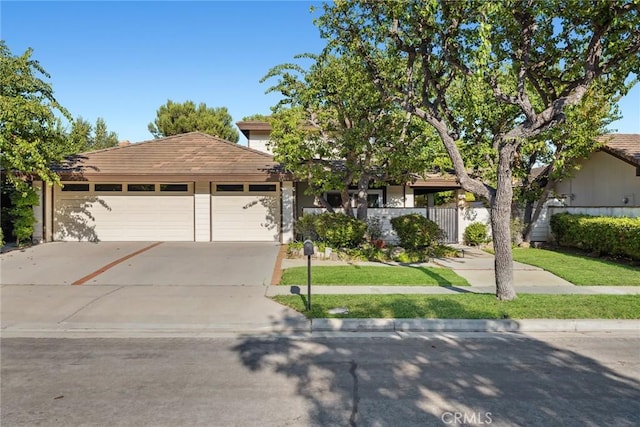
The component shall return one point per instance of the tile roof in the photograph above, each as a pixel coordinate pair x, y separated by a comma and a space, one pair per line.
625, 146
188, 154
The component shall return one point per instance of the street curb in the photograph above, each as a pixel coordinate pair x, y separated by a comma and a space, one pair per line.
472, 325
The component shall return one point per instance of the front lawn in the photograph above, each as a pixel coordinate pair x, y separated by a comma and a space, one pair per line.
470, 306
579, 269
373, 275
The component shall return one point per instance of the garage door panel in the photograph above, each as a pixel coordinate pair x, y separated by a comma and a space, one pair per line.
245, 217
126, 218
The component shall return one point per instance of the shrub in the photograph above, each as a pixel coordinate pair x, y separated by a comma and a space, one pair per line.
415, 231
23, 198
475, 234
339, 230
1, 238
374, 228
603, 235
306, 227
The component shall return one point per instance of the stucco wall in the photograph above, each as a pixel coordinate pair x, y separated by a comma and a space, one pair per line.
603, 180
258, 141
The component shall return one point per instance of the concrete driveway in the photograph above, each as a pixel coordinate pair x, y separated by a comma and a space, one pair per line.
140, 263
141, 286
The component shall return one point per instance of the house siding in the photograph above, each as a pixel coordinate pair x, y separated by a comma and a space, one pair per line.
202, 211
603, 180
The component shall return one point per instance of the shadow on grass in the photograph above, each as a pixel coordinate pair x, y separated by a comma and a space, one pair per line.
438, 278
506, 380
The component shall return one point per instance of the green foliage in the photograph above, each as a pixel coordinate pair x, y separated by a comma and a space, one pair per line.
415, 231
333, 129
1, 237
340, 231
23, 198
475, 234
306, 227
602, 235
31, 134
86, 137
256, 117
175, 118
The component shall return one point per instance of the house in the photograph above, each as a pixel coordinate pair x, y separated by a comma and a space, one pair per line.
189, 187
417, 193
607, 183
609, 177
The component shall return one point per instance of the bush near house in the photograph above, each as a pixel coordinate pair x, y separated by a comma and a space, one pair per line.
415, 231
337, 230
475, 234
602, 235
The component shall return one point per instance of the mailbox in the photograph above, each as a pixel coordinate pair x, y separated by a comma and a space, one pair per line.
308, 247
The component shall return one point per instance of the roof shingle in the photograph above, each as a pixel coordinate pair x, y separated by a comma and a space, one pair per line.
623, 145
193, 153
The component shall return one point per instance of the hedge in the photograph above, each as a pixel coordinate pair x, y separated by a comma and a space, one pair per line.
603, 235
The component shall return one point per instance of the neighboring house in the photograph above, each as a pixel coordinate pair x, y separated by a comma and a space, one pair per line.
189, 187
609, 177
606, 184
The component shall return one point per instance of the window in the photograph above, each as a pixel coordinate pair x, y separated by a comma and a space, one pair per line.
75, 187
141, 187
262, 187
229, 187
174, 187
374, 198
108, 187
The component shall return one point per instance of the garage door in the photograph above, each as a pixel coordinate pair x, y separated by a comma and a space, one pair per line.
124, 212
245, 212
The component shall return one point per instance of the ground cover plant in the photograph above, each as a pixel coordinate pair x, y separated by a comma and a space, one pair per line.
469, 306
373, 275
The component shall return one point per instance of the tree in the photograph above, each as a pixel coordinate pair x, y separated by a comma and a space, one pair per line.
560, 149
256, 117
31, 136
174, 118
335, 131
86, 137
536, 59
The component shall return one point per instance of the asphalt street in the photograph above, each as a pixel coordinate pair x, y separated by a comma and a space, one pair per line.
498, 379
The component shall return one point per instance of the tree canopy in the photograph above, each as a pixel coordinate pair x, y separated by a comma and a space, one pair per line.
31, 135
334, 130
87, 137
174, 118
535, 59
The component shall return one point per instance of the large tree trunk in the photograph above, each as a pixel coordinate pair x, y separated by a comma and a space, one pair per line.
501, 225
362, 201
345, 198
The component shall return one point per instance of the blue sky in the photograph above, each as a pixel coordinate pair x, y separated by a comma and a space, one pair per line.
121, 60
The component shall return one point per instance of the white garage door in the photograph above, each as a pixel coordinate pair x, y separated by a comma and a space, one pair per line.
124, 212
245, 212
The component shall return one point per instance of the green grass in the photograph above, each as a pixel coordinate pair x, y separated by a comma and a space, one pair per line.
470, 306
372, 275
580, 269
